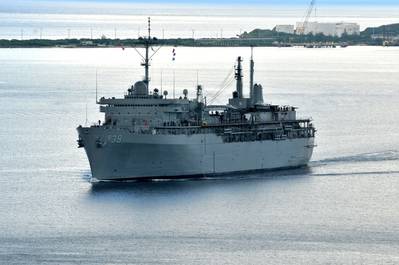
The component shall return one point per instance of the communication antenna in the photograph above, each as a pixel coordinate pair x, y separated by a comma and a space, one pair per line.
161, 80
96, 86
251, 75
86, 116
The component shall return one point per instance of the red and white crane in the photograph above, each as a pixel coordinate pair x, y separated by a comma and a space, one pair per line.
301, 29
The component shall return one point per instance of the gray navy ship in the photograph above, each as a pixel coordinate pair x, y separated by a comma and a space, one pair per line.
147, 135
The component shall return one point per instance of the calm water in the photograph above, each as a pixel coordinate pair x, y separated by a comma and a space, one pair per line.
342, 209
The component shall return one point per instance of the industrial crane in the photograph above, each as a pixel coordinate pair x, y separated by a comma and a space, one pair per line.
301, 28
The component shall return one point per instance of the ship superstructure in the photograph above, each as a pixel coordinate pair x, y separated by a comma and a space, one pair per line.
146, 134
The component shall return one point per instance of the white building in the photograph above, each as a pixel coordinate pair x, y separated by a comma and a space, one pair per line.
330, 29
290, 29
348, 28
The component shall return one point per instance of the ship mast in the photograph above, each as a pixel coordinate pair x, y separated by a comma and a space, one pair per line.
146, 63
251, 75
238, 77
148, 42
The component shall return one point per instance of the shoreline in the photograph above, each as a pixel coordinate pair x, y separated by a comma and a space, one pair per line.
386, 35
233, 42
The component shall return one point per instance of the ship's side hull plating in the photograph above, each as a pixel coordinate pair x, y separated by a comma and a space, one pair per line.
118, 154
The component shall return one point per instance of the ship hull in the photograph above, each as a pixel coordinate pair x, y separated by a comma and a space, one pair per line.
119, 154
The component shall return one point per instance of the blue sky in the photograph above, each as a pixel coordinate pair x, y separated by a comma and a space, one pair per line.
294, 2
243, 2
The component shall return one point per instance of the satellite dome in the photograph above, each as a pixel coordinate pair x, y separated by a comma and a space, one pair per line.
140, 88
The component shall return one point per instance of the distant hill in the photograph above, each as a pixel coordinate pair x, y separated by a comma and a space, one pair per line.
260, 33
370, 36
392, 29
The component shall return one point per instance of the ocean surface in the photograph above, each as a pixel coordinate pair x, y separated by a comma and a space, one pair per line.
342, 209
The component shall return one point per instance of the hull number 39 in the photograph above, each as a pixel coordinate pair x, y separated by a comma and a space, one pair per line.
114, 139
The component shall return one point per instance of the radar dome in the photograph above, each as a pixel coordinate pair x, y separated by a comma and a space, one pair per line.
140, 88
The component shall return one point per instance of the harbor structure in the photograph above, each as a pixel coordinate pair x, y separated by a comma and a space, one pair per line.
289, 29
329, 29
